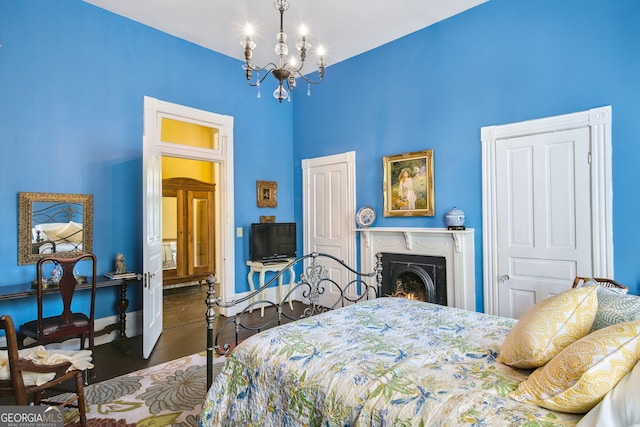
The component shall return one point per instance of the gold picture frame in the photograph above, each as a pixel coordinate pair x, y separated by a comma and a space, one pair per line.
266, 194
38, 209
408, 184
267, 218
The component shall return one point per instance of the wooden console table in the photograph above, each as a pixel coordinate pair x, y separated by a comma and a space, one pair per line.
121, 342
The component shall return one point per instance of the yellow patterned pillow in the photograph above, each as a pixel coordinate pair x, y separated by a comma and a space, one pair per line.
549, 326
583, 373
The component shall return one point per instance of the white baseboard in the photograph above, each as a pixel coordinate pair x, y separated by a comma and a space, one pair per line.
133, 328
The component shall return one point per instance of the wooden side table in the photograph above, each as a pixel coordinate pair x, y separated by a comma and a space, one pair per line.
121, 341
262, 268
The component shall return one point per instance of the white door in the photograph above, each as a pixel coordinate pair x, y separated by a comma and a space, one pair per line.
152, 226
543, 200
328, 191
527, 235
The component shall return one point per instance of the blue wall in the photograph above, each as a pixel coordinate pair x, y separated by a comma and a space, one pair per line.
504, 61
72, 82
73, 78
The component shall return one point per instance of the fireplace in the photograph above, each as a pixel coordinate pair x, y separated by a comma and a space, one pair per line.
455, 246
420, 277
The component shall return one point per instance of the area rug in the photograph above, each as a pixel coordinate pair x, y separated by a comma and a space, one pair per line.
169, 394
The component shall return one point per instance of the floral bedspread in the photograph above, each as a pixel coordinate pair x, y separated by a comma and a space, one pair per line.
385, 362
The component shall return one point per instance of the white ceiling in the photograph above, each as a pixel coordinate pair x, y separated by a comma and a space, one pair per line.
344, 28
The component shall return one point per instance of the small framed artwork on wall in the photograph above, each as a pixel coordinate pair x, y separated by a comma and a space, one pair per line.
408, 184
266, 194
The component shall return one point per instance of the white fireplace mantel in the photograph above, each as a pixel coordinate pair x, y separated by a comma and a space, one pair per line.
456, 246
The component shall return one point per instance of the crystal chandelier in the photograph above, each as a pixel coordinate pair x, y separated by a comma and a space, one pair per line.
286, 72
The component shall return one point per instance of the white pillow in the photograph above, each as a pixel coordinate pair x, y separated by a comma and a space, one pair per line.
61, 231
620, 406
49, 227
72, 232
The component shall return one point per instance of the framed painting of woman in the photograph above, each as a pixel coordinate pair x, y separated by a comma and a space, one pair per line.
408, 184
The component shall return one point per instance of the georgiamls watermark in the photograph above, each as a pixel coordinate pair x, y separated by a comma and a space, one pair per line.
31, 416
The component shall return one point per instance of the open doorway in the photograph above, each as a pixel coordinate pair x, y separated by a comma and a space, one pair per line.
189, 233
175, 134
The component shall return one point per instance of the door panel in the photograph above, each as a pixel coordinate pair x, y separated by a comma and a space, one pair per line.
327, 229
329, 212
543, 267
201, 233
543, 207
521, 298
202, 205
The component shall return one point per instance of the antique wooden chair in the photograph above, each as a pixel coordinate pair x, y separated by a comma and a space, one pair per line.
60, 372
607, 283
68, 324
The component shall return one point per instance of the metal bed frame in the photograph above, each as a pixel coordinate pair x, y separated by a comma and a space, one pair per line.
312, 283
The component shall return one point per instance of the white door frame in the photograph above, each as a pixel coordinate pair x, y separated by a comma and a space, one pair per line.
598, 120
155, 110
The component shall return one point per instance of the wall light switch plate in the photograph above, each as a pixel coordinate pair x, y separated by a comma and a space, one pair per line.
239, 232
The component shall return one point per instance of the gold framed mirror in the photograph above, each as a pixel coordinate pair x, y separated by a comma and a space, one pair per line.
54, 224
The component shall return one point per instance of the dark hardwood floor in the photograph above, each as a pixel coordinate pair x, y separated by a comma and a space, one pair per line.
174, 343
184, 333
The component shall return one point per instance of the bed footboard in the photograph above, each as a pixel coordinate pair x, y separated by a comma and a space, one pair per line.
312, 283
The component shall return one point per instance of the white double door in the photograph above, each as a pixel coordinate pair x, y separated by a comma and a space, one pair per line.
543, 216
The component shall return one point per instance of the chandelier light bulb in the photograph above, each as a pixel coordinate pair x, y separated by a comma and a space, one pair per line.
248, 44
320, 60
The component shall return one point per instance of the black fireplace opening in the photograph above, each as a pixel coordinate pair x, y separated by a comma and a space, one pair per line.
420, 277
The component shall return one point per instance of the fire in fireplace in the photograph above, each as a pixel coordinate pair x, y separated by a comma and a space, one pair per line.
412, 276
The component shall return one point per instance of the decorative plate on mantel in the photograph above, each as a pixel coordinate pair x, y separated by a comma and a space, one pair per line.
365, 216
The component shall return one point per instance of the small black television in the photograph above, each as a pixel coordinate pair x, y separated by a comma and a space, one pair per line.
271, 241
